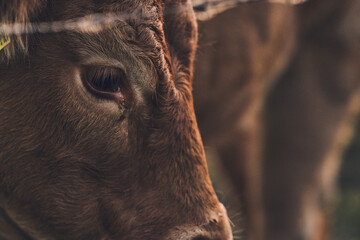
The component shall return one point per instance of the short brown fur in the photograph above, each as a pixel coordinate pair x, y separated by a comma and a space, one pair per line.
73, 166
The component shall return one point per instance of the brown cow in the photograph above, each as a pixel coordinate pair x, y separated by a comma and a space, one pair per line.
307, 133
98, 133
235, 66
281, 152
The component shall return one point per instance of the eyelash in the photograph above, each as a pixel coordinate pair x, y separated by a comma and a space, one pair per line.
106, 82
106, 79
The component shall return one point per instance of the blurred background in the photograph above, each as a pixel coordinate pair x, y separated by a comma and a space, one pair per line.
277, 98
346, 218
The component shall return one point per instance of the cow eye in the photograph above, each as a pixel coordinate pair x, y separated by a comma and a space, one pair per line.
105, 82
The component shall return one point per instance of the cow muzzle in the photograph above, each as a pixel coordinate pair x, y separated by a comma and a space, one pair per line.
217, 227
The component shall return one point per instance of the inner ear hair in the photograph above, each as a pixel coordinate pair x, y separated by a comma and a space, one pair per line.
17, 12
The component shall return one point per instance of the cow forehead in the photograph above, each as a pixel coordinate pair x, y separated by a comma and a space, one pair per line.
40, 16
109, 23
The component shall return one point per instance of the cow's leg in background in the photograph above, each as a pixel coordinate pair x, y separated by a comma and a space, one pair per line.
240, 52
308, 118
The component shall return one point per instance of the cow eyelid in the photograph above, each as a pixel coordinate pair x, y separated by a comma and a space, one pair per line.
105, 82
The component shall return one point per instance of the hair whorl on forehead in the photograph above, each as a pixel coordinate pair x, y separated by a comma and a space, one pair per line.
17, 11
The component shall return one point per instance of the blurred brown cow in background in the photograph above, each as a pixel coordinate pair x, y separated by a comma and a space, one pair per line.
276, 94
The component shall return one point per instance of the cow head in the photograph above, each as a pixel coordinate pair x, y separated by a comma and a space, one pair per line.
98, 134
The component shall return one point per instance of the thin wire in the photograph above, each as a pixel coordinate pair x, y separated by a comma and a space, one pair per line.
96, 22
206, 9
205, 5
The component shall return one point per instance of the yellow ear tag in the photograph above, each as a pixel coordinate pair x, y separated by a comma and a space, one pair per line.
4, 41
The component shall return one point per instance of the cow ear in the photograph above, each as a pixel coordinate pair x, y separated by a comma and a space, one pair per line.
180, 28
207, 9
16, 12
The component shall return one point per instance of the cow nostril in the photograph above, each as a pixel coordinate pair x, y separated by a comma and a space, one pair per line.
214, 221
216, 226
